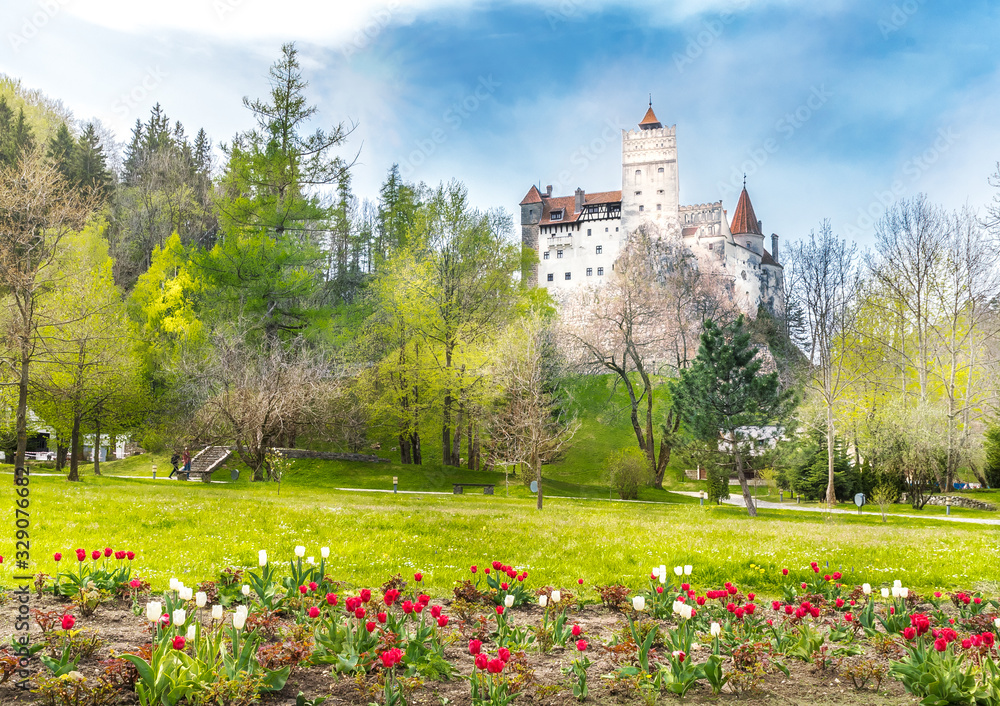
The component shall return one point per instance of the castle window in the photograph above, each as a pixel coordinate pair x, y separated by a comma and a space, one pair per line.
710, 246
567, 275
588, 231
616, 229
590, 271
659, 191
638, 173
659, 207
556, 215
605, 230
600, 249
641, 208
638, 193
549, 277
559, 253
600, 271
660, 170
545, 255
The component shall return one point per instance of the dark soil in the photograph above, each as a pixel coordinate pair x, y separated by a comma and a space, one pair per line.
120, 630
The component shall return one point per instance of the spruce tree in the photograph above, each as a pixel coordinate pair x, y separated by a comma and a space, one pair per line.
90, 168
62, 151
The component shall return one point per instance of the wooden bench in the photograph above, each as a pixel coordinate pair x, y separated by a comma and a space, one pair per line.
487, 487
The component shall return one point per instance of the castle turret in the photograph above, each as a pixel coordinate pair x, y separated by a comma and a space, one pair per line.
531, 215
650, 188
745, 226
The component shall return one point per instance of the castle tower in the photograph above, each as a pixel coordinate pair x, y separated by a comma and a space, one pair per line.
531, 216
746, 229
650, 186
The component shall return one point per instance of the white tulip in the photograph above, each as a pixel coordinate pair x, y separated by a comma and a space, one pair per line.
262, 557
885, 593
556, 596
509, 601
676, 607
174, 583
904, 592
656, 571
895, 591
639, 602
239, 619
866, 588
687, 612
996, 623
300, 551
679, 570
663, 572
179, 617
325, 552
186, 593
310, 560
217, 612
688, 569
200, 599
191, 631
154, 611
663, 577
543, 601
715, 629
897, 584
246, 590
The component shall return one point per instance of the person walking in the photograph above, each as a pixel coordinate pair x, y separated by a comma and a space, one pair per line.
186, 459
175, 459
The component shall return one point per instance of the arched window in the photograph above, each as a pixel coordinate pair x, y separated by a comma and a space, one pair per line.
638, 173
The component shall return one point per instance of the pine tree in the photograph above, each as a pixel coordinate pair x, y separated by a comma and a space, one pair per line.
723, 393
16, 137
62, 151
90, 168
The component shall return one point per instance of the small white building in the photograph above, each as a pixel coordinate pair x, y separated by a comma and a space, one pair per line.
578, 238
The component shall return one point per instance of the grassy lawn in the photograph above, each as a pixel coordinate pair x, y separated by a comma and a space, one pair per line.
192, 530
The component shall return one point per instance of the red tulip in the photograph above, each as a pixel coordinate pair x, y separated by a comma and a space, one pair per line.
119, 555
96, 554
178, 642
987, 639
839, 602
130, 555
849, 617
481, 659
370, 626
494, 666
359, 613
313, 586
381, 617
580, 581
313, 612
135, 583
366, 594
436, 611
504, 654
108, 551
474, 568
407, 607
443, 621
576, 631
581, 645
57, 556
499, 610
784, 572
475, 646
68, 621
303, 590
331, 599
966, 643
504, 586
418, 577
940, 644
659, 589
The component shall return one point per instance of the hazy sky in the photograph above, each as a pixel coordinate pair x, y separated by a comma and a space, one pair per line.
830, 107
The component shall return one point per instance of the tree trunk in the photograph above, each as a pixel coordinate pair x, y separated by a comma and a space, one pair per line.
74, 450
60, 455
415, 444
22, 410
472, 454
536, 461
446, 430
456, 442
476, 452
666, 447
404, 449
747, 496
97, 446
831, 490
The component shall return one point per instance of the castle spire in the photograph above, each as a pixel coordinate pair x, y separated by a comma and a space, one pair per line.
744, 219
649, 121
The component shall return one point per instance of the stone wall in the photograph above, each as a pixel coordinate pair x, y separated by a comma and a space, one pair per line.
957, 501
331, 456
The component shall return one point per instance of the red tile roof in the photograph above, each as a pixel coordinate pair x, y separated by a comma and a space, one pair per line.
533, 196
766, 259
650, 118
744, 219
689, 230
568, 203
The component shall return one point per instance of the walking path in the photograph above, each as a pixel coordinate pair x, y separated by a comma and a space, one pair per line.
792, 507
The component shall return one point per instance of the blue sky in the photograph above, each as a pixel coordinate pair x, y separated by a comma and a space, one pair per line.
832, 108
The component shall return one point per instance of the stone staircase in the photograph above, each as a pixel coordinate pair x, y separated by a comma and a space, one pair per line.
207, 461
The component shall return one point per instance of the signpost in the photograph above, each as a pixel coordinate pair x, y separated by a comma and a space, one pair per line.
859, 500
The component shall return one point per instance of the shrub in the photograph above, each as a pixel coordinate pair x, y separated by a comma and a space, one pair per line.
74, 690
991, 468
628, 469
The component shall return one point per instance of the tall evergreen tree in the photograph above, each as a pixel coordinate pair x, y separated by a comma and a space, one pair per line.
62, 151
90, 167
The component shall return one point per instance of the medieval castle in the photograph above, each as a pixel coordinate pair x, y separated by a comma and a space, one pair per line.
578, 238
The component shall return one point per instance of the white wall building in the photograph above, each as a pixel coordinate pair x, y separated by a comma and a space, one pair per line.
578, 238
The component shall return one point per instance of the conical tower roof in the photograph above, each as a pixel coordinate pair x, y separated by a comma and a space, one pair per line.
744, 219
649, 121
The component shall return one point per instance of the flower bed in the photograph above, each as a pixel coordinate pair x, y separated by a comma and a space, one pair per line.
269, 633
